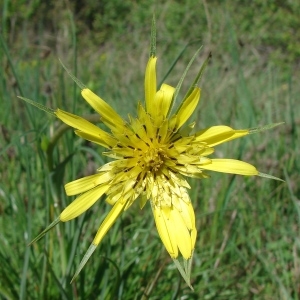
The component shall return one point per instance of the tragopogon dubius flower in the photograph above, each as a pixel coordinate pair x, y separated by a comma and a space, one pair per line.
151, 154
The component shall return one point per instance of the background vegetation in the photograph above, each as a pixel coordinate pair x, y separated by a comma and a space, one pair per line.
248, 244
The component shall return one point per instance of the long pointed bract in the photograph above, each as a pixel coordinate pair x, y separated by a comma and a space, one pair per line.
54, 223
39, 106
86, 257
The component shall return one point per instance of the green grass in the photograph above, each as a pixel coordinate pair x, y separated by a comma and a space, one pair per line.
248, 244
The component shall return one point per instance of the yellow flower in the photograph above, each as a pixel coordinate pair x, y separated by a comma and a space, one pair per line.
152, 154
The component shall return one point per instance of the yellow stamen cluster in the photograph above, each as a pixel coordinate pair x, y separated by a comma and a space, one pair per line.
153, 159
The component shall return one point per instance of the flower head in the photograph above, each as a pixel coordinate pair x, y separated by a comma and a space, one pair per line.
151, 154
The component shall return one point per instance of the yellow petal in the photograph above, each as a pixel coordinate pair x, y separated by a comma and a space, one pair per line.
143, 200
163, 100
139, 129
109, 221
193, 237
183, 237
187, 159
231, 166
150, 82
216, 135
163, 131
77, 122
122, 192
112, 118
187, 107
82, 203
85, 126
86, 183
108, 141
187, 212
163, 225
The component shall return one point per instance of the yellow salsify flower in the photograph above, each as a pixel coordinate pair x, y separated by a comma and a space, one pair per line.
152, 153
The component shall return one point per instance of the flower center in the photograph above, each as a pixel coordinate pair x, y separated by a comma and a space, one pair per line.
153, 159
